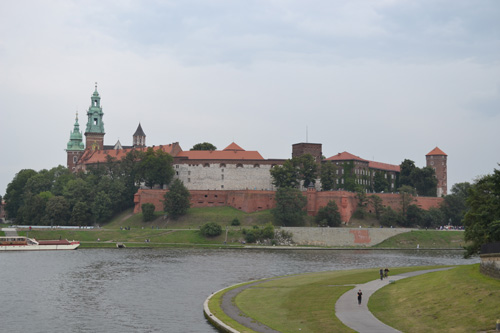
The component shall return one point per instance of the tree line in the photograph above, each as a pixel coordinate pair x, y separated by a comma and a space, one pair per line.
60, 197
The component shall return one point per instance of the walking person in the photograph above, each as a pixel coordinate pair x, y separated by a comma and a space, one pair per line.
360, 294
386, 273
381, 274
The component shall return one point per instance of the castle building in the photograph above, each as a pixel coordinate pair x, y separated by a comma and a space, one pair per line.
232, 168
436, 159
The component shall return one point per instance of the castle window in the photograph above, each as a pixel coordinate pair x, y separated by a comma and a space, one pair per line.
222, 186
95, 121
189, 173
222, 177
189, 180
239, 165
256, 166
222, 165
206, 165
177, 173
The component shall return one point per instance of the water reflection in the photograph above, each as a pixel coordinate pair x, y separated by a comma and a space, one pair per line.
157, 290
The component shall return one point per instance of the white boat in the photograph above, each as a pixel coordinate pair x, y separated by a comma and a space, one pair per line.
21, 243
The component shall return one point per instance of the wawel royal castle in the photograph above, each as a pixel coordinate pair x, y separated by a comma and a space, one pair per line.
232, 168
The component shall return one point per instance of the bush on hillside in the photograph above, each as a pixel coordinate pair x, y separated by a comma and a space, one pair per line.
148, 212
211, 229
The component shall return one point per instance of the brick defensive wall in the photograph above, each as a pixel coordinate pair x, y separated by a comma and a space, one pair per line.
250, 201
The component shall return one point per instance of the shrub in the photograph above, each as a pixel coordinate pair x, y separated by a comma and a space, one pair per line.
259, 234
328, 215
211, 229
235, 222
148, 212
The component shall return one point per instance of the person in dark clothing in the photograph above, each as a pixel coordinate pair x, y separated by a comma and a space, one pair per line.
381, 274
360, 294
386, 273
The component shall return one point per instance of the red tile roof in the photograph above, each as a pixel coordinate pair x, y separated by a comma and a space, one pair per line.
234, 146
231, 152
345, 156
99, 156
436, 151
384, 166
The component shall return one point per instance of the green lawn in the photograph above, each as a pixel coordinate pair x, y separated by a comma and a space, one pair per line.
426, 239
304, 302
458, 300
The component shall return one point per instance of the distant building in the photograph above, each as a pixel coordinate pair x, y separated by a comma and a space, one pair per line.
232, 168
436, 159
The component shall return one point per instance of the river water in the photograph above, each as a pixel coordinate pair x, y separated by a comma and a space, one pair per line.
157, 290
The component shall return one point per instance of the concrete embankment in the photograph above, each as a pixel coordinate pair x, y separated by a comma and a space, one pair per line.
342, 236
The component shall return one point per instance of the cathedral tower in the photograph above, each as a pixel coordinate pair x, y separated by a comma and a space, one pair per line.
436, 159
95, 127
75, 146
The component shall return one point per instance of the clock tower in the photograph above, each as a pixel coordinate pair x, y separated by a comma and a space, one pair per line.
94, 132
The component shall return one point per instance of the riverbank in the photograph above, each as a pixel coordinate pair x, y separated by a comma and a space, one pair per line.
458, 300
154, 237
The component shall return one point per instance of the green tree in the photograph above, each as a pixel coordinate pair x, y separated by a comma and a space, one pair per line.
57, 212
177, 199
390, 217
406, 169
378, 207
33, 209
290, 207
15, 190
414, 216
454, 205
482, 220
156, 167
432, 218
380, 182
77, 190
211, 229
407, 196
204, 146
425, 182
148, 212
286, 175
329, 215
101, 208
328, 176
308, 169
81, 214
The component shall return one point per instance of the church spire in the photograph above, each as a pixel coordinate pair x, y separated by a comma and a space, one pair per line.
95, 126
139, 137
75, 138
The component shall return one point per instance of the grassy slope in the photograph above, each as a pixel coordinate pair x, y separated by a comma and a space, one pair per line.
458, 300
303, 301
426, 239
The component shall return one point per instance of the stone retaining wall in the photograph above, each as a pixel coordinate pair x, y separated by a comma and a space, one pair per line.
342, 236
490, 265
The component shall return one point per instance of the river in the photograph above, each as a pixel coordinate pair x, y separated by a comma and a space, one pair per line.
157, 290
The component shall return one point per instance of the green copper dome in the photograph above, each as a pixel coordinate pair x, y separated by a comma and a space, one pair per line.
75, 138
95, 114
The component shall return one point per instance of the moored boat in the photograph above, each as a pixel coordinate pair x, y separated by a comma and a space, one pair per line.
21, 243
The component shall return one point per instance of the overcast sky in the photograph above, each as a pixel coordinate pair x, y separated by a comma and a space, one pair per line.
384, 80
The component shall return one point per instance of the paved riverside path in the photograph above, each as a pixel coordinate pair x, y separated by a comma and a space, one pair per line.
359, 318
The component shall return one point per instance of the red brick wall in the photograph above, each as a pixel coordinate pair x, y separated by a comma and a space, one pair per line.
251, 201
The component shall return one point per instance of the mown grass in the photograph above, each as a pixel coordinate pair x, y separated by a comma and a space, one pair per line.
457, 300
156, 237
426, 239
304, 302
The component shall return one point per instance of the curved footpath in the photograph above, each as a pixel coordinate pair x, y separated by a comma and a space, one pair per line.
359, 318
